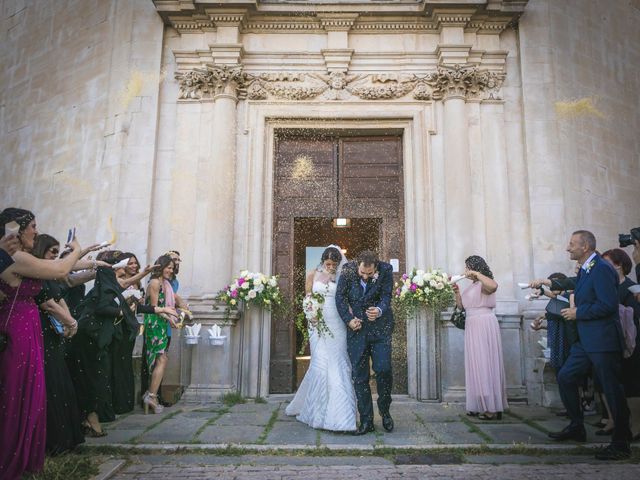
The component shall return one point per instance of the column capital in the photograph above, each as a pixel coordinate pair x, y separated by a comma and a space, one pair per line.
466, 82
210, 81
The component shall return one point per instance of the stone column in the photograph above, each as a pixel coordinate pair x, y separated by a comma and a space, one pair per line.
422, 348
214, 209
457, 178
496, 194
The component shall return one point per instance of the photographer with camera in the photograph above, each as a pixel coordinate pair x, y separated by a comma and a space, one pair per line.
628, 239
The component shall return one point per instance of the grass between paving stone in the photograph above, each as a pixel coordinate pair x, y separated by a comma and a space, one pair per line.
260, 400
232, 398
211, 421
70, 466
385, 452
474, 428
272, 421
154, 425
528, 422
435, 436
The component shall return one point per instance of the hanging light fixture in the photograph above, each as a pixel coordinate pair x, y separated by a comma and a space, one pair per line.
341, 222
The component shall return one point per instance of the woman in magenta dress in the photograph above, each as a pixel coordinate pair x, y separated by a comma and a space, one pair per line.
22, 387
483, 366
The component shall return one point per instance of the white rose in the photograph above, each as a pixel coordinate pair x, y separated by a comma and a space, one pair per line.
260, 288
439, 286
273, 282
432, 283
420, 273
244, 273
252, 294
419, 281
245, 286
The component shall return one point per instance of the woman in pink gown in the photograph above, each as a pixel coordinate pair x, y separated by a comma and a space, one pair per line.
22, 388
483, 366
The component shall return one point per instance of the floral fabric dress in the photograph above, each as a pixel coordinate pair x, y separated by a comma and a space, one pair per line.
155, 334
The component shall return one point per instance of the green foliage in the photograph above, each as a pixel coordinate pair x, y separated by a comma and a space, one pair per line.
70, 466
232, 398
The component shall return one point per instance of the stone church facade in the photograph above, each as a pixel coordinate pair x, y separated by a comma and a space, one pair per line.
433, 123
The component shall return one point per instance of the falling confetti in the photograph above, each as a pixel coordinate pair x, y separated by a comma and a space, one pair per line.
136, 82
303, 168
583, 107
113, 232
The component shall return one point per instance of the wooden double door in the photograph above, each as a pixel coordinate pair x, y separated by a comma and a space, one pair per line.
319, 177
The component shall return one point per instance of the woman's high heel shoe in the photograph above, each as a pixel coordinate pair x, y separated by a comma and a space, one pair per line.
151, 400
493, 416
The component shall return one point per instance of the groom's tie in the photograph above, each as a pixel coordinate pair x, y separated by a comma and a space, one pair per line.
363, 284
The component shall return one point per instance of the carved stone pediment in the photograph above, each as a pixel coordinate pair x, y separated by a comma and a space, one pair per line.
467, 82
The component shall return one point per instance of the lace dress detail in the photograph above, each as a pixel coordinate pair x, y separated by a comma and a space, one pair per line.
326, 398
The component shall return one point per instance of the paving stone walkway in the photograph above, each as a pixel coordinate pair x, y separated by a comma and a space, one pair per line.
265, 425
386, 472
431, 440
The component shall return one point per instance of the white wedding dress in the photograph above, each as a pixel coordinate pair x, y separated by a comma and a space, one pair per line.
326, 398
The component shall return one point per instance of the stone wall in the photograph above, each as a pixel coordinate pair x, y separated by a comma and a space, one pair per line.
583, 170
78, 114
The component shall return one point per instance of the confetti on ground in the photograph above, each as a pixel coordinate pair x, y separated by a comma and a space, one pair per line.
583, 107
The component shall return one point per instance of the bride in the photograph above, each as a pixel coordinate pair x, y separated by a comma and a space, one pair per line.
326, 398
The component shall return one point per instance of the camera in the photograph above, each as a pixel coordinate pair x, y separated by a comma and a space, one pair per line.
627, 239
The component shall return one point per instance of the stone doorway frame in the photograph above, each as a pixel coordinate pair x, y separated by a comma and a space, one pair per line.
423, 190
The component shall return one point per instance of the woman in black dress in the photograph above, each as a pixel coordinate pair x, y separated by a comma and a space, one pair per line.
122, 379
630, 365
64, 429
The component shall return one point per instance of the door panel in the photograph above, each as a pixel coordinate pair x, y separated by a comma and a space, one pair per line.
324, 177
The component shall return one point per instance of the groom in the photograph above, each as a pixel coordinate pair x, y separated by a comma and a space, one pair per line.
363, 299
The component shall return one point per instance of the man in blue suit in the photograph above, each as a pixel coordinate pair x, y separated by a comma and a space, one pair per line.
363, 300
599, 346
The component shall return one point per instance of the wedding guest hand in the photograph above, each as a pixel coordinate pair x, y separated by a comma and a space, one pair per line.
10, 244
538, 283
471, 275
537, 323
568, 313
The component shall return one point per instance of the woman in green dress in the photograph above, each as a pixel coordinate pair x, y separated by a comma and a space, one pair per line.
159, 294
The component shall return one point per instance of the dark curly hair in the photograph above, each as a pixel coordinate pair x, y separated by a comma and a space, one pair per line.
19, 215
478, 264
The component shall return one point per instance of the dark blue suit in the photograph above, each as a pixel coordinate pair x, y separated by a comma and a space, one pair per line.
599, 345
373, 339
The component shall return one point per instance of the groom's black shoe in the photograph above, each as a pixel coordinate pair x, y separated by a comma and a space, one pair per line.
387, 422
364, 428
576, 433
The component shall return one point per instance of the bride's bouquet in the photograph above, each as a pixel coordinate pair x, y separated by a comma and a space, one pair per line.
249, 289
425, 288
311, 315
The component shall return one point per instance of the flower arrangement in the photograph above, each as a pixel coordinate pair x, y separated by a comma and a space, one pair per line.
431, 288
251, 288
311, 315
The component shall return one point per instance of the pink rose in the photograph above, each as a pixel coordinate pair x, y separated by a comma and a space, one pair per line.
413, 287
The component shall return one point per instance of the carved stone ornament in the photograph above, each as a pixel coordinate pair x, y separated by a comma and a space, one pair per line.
466, 82
212, 80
